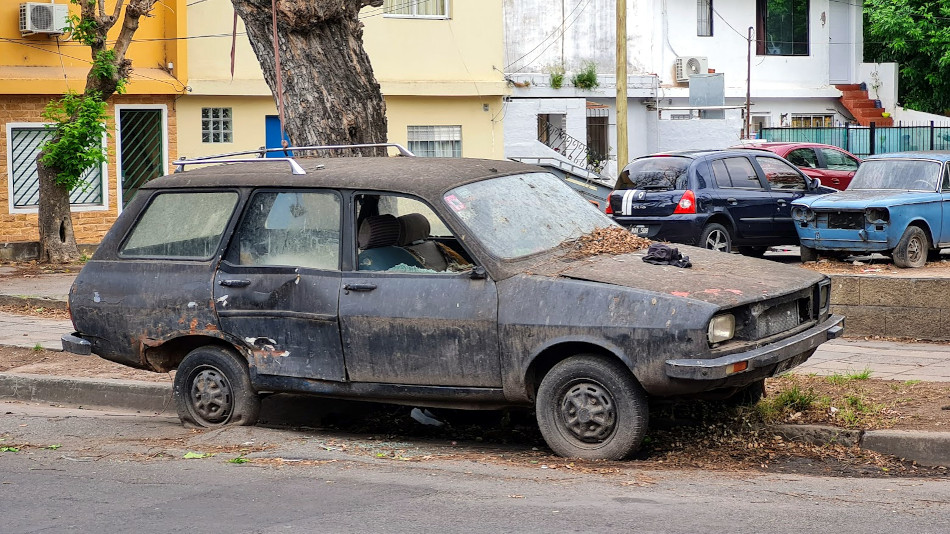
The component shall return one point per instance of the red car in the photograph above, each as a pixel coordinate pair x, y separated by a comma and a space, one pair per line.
833, 166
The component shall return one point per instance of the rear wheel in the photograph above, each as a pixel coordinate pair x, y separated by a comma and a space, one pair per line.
213, 388
593, 408
716, 237
911, 250
808, 254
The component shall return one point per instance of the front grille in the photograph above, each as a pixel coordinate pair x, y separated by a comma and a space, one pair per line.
846, 220
765, 319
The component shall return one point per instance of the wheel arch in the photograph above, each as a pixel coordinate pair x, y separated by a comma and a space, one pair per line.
168, 355
553, 353
925, 226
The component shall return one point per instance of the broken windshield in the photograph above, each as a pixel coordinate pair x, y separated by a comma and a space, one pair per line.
523, 214
901, 174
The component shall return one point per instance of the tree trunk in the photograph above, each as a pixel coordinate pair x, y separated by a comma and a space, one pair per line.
330, 94
57, 241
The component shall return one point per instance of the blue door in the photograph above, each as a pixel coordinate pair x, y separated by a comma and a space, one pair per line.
272, 136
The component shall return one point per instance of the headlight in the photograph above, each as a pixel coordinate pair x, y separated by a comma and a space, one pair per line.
801, 213
877, 215
721, 328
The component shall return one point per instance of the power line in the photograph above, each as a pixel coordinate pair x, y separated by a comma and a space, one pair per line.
562, 29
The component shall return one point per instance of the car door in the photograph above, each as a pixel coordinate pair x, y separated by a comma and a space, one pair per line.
278, 287
943, 240
405, 323
837, 168
786, 183
741, 194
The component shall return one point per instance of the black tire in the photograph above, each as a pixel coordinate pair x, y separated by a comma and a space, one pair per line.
911, 250
213, 389
753, 252
716, 237
747, 395
593, 408
808, 254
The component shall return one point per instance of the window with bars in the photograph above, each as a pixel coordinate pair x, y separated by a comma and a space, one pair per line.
704, 18
23, 145
438, 9
216, 125
436, 141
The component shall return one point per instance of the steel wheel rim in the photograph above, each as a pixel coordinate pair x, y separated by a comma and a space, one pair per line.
211, 396
914, 250
587, 412
716, 241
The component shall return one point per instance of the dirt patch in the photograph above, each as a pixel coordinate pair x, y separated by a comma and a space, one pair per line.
30, 269
47, 362
878, 267
610, 240
35, 311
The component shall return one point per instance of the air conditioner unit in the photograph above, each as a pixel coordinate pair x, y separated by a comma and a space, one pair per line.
48, 19
688, 66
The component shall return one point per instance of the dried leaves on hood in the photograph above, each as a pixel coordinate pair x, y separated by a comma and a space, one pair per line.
610, 240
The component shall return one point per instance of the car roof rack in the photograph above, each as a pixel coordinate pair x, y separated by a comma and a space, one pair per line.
262, 152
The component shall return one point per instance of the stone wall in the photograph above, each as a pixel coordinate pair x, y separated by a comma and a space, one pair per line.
90, 225
893, 306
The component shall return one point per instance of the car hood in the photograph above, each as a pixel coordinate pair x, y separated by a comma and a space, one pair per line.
721, 279
863, 198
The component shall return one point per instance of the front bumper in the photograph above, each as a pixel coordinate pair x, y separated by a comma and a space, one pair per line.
773, 358
75, 344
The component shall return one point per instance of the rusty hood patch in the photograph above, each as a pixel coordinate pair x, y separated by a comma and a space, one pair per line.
717, 278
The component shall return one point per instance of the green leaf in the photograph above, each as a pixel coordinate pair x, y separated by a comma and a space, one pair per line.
190, 455
53, 447
238, 460
9, 449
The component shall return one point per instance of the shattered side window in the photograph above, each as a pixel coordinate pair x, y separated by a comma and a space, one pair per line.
296, 228
181, 226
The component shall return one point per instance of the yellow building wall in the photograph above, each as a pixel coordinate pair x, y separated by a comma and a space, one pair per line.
44, 64
247, 121
481, 128
447, 57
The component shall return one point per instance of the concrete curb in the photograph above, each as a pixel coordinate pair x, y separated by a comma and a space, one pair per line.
924, 448
87, 392
35, 302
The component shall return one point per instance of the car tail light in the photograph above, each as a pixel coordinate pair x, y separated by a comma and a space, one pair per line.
608, 210
687, 203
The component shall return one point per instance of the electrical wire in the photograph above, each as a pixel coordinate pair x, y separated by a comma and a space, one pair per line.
562, 29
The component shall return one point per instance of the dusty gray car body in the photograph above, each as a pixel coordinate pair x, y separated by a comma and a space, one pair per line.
477, 339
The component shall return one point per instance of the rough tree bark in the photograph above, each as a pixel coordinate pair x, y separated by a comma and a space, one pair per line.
57, 240
330, 94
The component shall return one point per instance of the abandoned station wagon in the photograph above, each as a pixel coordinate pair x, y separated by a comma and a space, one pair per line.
427, 282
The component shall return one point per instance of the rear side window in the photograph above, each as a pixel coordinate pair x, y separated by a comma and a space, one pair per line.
662, 173
181, 225
781, 175
736, 173
291, 228
803, 157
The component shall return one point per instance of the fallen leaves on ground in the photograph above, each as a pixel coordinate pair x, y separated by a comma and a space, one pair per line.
610, 240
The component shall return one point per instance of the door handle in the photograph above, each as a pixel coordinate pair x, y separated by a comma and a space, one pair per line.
235, 283
731, 200
358, 287
781, 202
835, 181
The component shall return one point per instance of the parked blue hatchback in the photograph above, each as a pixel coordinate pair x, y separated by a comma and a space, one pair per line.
897, 204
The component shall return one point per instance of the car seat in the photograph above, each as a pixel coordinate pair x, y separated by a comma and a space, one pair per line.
414, 237
377, 239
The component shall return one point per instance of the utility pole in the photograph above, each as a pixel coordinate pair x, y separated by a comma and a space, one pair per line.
622, 143
748, 86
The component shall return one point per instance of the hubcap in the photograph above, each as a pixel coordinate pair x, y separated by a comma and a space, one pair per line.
716, 241
211, 396
588, 412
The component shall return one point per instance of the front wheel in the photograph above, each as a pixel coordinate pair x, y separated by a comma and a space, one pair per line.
911, 250
592, 408
716, 237
213, 389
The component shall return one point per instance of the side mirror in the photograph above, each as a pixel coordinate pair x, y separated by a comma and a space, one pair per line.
478, 273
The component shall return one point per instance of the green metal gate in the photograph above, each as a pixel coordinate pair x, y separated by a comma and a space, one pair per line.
141, 149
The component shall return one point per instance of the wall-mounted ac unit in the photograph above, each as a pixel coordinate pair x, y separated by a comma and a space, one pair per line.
48, 19
688, 66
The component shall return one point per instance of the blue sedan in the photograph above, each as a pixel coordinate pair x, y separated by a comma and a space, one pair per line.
897, 204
